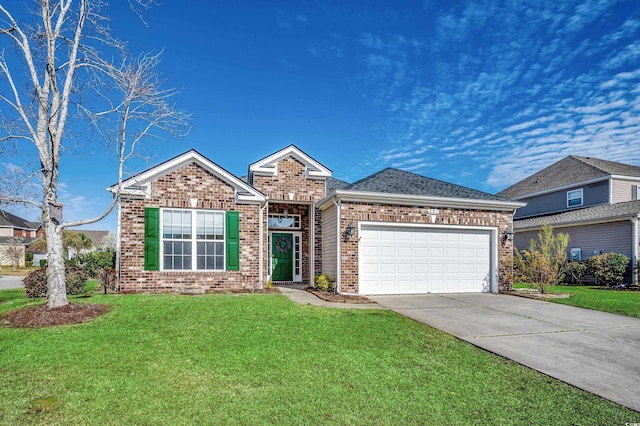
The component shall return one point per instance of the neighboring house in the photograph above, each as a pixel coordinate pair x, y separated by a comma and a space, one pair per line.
16, 234
189, 224
596, 202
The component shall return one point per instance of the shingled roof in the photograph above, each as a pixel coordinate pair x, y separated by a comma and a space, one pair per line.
394, 181
12, 221
570, 170
333, 184
602, 212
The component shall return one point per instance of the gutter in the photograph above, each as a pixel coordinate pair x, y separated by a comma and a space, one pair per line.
420, 200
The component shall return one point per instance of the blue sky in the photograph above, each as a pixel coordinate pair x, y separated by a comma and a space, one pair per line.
478, 93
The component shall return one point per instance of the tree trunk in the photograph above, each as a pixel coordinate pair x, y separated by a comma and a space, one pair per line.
57, 294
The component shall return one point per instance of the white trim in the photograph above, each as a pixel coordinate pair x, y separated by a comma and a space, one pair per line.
261, 243
419, 200
275, 215
634, 248
561, 188
194, 240
268, 166
294, 234
338, 205
139, 185
581, 191
493, 244
573, 224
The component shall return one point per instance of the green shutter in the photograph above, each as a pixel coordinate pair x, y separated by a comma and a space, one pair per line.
233, 241
151, 239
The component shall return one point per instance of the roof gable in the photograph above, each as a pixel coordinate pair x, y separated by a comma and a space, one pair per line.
139, 185
268, 166
570, 170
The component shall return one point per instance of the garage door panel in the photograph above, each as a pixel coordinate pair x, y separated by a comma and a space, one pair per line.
436, 252
423, 260
405, 268
387, 268
405, 252
387, 251
420, 252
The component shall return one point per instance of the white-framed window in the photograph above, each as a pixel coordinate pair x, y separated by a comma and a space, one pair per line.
277, 220
574, 198
193, 240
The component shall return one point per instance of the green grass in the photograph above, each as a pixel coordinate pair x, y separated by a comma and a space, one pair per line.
262, 359
614, 301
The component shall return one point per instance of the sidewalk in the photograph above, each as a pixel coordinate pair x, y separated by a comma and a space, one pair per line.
298, 294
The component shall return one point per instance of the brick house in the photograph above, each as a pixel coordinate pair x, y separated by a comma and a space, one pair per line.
188, 225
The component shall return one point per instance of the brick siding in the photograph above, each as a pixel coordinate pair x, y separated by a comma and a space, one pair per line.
372, 212
175, 190
291, 179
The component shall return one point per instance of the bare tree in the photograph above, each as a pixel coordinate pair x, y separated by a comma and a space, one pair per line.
65, 48
13, 252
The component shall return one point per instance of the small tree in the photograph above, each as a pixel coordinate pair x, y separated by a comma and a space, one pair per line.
608, 268
543, 264
577, 269
14, 252
75, 241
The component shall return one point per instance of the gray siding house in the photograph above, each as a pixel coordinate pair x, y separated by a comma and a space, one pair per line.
596, 202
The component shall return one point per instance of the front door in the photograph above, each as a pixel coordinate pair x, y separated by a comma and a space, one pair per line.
282, 257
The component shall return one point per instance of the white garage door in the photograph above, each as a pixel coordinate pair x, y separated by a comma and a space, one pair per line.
397, 260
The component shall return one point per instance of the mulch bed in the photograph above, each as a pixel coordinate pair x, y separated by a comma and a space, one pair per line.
338, 298
41, 316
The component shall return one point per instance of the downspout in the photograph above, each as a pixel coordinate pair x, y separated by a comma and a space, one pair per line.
338, 205
261, 244
634, 248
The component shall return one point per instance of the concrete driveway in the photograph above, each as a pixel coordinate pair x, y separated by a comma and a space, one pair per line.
8, 281
595, 351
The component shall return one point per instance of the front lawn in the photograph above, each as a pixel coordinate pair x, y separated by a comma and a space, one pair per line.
262, 359
598, 298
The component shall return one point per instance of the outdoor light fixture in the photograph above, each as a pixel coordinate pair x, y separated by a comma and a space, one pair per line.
351, 230
508, 235
285, 213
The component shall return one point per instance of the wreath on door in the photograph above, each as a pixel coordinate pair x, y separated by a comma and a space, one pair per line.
283, 244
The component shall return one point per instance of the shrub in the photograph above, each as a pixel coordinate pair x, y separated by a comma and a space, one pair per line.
75, 279
28, 259
543, 264
577, 270
93, 261
35, 283
608, 268
324, 282
43, 263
